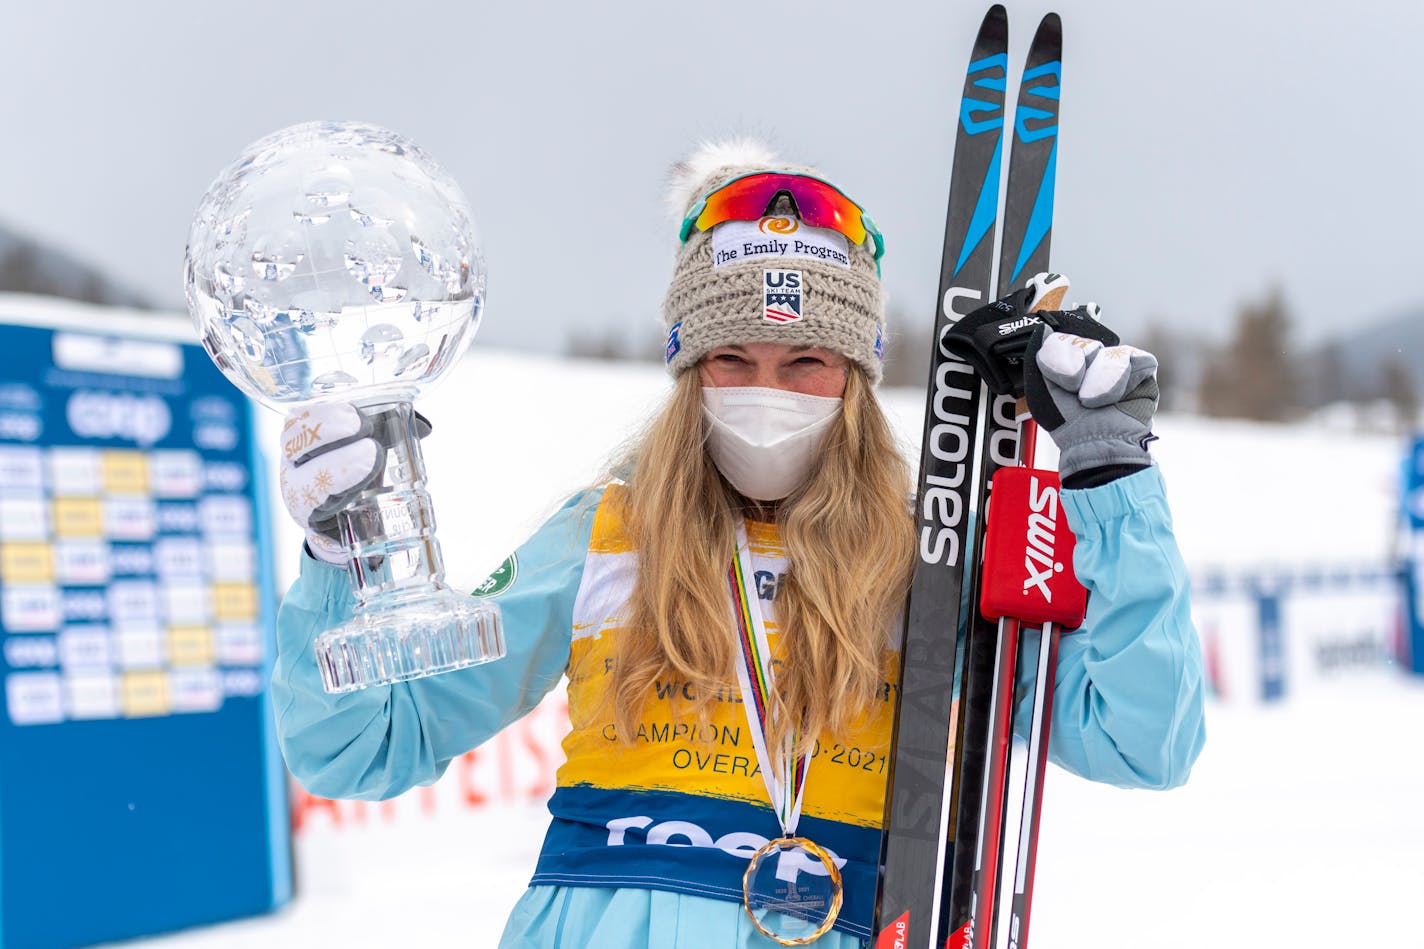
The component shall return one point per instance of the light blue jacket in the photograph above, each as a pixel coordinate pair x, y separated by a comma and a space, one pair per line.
1127, 701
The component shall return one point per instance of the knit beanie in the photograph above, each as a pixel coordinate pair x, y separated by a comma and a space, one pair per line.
774, 280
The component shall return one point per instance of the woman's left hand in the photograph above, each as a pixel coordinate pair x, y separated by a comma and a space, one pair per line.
1096, 401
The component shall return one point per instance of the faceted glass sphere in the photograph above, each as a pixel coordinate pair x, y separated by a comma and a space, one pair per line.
334, 260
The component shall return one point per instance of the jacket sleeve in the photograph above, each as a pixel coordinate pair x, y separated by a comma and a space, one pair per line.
376, 743
1127, 707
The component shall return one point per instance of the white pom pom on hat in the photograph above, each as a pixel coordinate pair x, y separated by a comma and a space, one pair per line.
711, 162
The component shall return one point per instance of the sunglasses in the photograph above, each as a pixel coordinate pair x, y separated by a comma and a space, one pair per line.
816, 202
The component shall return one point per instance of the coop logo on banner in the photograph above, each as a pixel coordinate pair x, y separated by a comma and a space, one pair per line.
141, 419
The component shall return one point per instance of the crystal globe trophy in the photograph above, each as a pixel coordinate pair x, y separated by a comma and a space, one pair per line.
337, 261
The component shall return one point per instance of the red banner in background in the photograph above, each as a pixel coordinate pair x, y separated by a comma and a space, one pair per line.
515, 767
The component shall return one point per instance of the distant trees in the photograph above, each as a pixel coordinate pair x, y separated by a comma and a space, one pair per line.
29, 267
1398, 389
1262, 372
615, 343
1182, 356
20, 268
907, 350
1255, 375
1329, 380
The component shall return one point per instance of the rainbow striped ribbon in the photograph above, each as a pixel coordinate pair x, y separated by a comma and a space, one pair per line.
756, 679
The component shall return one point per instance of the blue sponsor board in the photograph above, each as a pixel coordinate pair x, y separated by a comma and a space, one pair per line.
1272, 645
1414, 559
140, 785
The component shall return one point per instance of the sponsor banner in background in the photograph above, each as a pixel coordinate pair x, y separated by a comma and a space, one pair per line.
1414, 559
135, 617
1273, 634
513, 769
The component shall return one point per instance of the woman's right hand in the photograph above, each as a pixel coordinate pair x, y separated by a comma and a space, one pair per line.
328, 456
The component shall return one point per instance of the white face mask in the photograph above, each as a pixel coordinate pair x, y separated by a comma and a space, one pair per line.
764, 441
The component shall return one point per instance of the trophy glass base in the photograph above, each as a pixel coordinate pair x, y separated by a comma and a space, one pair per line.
439, 632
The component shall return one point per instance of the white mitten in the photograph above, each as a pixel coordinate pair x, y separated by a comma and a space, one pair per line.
328, 455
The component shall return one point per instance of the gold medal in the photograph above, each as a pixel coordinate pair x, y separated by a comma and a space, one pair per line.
792, 890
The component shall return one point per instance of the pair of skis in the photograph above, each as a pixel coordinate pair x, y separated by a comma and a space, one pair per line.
943, 849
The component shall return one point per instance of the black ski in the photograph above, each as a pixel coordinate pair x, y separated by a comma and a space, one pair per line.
1028, 202
1029, 212
914, 842
993, 653
934, 814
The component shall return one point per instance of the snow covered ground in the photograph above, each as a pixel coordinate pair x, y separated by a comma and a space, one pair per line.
1302, 823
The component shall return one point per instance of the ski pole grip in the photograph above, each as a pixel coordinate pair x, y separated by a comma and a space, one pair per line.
1027, 526
994, 338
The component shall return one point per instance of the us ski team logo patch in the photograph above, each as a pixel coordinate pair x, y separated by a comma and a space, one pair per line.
782, 289
674, 344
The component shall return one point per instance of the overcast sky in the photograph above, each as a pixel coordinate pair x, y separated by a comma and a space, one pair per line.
1207, 149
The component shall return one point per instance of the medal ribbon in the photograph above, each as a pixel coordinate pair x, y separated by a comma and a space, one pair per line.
756, 680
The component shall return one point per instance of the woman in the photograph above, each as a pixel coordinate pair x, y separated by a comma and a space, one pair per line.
761, 524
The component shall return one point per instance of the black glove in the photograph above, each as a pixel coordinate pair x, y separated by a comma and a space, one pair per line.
994, 338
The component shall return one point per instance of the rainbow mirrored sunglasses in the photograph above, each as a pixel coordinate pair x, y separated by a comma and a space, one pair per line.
817, 203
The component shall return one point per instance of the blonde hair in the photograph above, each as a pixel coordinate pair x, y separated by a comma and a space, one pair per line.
849, 543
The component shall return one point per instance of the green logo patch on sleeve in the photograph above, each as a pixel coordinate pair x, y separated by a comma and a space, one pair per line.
500, 580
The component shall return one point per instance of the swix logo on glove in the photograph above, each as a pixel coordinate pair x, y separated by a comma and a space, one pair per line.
1006, 328
298, 441
1028, 553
